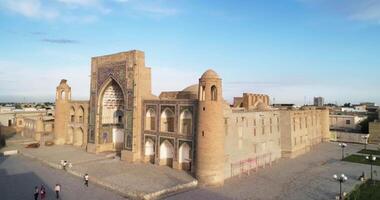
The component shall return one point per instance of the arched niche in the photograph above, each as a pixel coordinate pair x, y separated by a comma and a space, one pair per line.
186, 121
150, 119
167, 120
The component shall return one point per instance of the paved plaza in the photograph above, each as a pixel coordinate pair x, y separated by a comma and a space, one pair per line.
306, 177
19, 176
127, 179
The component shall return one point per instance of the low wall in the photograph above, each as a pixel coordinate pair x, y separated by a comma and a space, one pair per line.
374, 130
350, 137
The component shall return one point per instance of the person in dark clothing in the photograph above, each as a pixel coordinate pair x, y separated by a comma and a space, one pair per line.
42, 192
36, 193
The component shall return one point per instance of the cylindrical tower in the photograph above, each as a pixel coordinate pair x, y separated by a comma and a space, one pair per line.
209, 160
62, 98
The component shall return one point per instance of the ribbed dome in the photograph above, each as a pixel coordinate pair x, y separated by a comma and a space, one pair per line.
192, 89
210, 74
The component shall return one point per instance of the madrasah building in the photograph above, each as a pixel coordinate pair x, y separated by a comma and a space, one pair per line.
194, 130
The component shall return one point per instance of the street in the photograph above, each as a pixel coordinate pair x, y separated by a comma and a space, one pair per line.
19, 176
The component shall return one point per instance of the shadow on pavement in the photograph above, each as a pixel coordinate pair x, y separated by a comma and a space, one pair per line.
20, 186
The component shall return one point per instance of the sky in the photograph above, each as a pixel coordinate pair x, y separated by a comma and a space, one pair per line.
291, 50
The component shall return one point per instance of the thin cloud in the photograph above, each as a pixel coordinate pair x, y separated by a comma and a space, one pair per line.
31, 9
154, 10
86, 4
38, 33
150, 8
281, 83
362, 10
60, 41
86, 11
80, 2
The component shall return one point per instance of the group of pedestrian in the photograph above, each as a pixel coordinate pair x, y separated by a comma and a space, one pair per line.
66, 164
41, 192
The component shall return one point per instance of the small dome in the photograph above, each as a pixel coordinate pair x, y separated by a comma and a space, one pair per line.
63, 81
191, 89
261, 106
210, 74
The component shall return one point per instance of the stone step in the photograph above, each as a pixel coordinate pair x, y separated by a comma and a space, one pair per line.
10, 152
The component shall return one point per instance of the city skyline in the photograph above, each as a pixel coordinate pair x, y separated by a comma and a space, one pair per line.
291, 50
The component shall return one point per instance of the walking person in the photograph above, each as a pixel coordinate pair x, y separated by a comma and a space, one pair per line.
86, 180
36, 193
42, 192
64, 165
57, 190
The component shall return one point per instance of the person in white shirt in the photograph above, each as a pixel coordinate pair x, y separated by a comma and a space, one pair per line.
57, 190
86, 180
64, 165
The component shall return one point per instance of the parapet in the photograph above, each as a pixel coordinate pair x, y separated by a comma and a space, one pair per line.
133, 56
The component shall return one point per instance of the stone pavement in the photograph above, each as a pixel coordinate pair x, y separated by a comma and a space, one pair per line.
306, 177
19, 175
137, 181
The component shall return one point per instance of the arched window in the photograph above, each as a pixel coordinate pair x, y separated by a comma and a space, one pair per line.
63, 95
149, 147
214, 93
149, 151
184, 153
80, 113
72, 115
118, 117
202, 93
167, 120
166, 153
150, 120
186, 122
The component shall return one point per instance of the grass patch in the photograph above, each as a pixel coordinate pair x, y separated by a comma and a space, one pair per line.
369, 151
366, 191
360, 159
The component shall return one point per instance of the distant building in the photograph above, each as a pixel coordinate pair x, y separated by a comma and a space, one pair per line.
346, 123
6, 109
38, 127
9, 115
374, 130
284, 105
355, 108
368, 104
319, 101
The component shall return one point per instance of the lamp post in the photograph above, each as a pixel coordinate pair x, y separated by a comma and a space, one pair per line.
342, 178
365, 138
371, 160
342, 145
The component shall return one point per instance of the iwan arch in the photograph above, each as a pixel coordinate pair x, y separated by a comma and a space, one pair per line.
193, 130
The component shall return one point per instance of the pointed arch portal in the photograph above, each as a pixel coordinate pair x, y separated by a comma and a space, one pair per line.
112, 115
